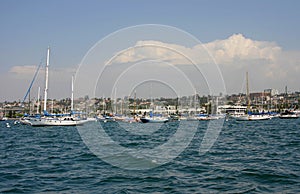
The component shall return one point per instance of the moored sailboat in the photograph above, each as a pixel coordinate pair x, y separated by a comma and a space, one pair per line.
252, 117
153, 119
53, 119
249, 116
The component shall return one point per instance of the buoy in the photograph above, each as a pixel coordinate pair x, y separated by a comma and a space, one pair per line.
7, 125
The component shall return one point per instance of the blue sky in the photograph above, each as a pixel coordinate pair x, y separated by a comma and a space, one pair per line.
72, 27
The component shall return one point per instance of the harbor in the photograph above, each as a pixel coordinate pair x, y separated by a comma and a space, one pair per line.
149, 97
263, 102
67, 112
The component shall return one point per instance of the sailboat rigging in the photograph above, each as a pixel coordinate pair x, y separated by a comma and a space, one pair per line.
249, 116
54, 119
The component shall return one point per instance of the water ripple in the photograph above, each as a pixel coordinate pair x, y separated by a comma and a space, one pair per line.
248, 157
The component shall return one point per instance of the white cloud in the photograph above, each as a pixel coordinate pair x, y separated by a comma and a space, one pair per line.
237, 47
269, 66
23, 70
20, 77
26, 70
151, 50
266, 62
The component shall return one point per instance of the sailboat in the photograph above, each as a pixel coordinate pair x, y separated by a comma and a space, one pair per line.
252, 117
249, 116
153, 119
54, 119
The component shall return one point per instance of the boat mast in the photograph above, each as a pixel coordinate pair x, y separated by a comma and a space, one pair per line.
248, 95
72, 96
38, 101
46, 80
29, 104
134, 103
115, 97
122, 106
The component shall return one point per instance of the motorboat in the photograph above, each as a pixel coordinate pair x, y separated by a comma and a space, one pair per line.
154, 120
289, 115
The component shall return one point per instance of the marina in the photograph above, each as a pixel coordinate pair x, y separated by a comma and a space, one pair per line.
150, 97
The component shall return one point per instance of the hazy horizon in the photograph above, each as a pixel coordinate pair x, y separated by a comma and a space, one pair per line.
251, 36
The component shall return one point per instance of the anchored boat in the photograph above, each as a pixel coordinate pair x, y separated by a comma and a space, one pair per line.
53, 119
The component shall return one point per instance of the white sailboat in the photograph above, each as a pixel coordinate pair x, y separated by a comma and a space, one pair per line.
250, 116
54, 119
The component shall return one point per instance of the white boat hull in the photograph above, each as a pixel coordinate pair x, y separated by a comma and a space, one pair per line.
252, 117
53, 122
289, 116
3, 119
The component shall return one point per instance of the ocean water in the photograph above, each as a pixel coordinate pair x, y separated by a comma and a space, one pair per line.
247, 157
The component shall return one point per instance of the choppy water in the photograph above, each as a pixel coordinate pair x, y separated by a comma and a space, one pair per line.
248, 157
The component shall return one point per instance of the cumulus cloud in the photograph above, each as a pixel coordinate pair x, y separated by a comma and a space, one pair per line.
153, 50
20, 77
267, 62
241, 48
269, 65
21, 70
226, 51
31, 69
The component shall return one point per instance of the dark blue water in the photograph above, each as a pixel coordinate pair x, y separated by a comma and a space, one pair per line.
248, 157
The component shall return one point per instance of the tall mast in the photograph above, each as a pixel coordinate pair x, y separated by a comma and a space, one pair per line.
134, 102
38, 101
248, 94
72, 96
29, 103
46, 80
115, 100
